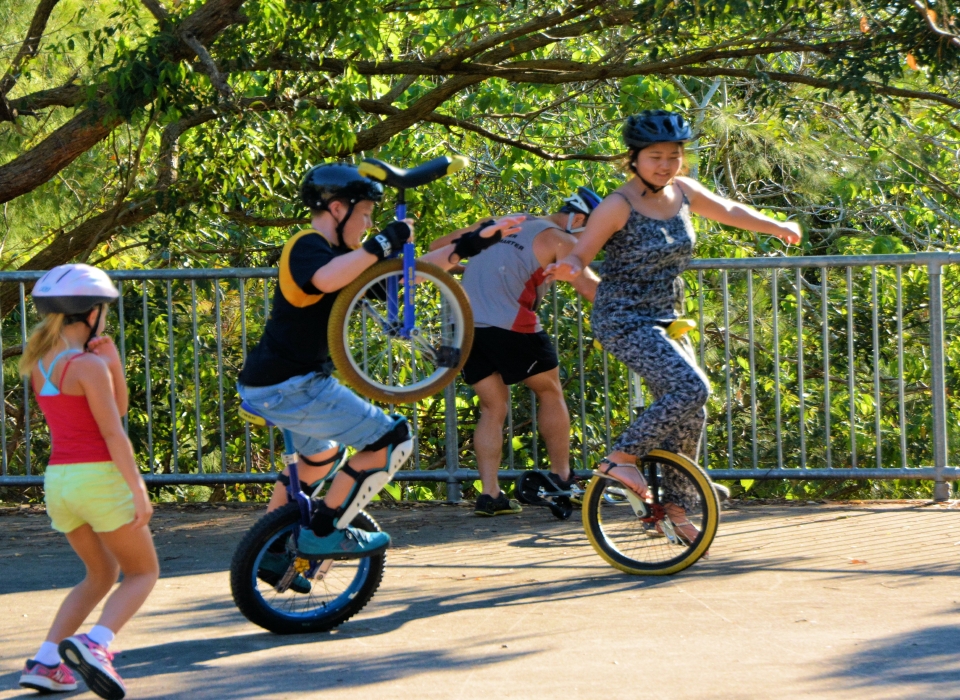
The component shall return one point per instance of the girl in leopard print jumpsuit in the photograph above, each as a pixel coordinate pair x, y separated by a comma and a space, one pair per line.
646, 230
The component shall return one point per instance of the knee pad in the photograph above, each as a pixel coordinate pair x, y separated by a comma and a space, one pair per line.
399, 433
399, 444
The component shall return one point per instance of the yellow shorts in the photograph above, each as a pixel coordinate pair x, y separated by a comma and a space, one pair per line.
93, 493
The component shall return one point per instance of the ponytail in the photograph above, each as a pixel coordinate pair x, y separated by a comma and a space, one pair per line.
43, 339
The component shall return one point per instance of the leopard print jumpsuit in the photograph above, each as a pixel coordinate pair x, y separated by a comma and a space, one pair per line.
640, 287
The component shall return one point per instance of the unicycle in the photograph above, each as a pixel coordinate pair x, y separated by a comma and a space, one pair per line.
535, 488
402, 330
302, 595
637, 536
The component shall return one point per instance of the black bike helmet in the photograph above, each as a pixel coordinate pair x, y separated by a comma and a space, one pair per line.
655, 126
328, 181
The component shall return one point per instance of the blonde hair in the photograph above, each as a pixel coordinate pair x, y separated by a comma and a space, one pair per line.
43, 339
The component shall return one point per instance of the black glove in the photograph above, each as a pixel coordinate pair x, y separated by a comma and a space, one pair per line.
471, 243
389, 240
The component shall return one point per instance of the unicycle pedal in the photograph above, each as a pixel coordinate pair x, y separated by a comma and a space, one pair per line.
536, 489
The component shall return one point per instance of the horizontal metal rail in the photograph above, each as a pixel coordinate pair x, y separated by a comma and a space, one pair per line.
824, 367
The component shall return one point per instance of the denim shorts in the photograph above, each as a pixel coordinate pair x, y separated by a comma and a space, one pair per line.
319, 411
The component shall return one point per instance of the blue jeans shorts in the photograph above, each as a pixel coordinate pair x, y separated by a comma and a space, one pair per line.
319, 411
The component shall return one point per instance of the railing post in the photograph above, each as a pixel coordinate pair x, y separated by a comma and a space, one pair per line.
451, 442
941, 489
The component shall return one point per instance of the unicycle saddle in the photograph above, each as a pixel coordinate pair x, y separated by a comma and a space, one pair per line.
535, 488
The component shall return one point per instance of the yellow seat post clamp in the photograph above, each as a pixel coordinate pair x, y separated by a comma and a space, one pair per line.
680, 327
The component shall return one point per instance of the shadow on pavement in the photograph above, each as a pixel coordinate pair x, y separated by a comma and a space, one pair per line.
263, 676
927, 661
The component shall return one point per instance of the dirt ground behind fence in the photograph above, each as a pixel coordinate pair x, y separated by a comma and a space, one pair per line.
816, 600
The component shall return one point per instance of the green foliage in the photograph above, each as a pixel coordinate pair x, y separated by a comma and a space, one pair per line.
806, 110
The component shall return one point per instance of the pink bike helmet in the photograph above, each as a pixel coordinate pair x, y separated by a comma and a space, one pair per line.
73, 289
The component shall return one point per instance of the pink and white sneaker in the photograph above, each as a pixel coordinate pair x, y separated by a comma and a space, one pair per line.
94, 664
47, 679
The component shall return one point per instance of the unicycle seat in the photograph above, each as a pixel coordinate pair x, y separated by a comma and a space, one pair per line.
403, 178
249, 414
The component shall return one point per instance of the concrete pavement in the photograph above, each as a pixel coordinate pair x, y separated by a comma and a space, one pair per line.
818, 601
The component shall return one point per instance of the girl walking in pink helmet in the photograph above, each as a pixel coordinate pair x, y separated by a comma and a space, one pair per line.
92, 487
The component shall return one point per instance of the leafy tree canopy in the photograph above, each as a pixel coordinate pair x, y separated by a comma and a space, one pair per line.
174, 132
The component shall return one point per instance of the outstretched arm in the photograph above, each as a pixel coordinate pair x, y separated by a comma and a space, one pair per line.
556, 245
730, 213
451, 237
447, 259
586, 284
606, 219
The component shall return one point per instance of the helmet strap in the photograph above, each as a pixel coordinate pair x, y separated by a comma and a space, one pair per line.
95, 326
569, 227
342, 224
650, 186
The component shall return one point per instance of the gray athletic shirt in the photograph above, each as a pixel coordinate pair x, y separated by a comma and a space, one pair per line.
505, 283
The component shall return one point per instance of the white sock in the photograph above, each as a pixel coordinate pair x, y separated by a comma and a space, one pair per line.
48, 654
101, 635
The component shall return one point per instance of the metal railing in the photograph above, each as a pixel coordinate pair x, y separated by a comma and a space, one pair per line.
823, 368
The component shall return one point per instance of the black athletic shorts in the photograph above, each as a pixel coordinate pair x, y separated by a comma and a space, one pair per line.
514, 355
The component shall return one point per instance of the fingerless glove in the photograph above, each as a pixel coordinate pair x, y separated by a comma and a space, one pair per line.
389, 240
471, 243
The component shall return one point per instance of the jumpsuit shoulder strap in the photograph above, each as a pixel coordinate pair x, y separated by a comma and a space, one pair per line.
625, 199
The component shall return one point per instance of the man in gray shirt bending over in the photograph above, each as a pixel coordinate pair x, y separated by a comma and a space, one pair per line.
505, 284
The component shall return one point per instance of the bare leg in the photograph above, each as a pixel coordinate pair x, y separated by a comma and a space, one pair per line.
343, 483
102, 573
554, 419
133, 549
307, 473
488, 435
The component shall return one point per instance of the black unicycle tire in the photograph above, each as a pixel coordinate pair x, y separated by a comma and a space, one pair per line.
253, 606
594, 527
528, 488
339, 344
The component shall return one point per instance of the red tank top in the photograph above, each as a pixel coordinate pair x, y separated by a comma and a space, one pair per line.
74, 431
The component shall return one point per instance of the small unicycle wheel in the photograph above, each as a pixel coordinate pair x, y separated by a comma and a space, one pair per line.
641, 538
535, 488
299, 595
377, 355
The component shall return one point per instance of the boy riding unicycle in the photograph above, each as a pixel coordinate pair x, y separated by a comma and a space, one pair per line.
287, 377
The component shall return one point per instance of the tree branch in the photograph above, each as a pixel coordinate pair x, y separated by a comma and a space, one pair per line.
209, 65
529, 147
248, 220
817, 82
67, 246
929, 17
64, 96
157, 10
38, 165
30, 45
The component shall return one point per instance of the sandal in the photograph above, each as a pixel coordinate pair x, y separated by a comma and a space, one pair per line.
641, 490
685, 531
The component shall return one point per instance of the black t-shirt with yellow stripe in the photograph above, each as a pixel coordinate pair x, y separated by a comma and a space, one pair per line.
295, 339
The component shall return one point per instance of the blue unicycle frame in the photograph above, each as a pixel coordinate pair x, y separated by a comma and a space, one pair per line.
294, 492
402, 179
409, 257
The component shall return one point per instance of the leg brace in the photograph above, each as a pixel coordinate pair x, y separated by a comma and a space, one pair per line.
399, 446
